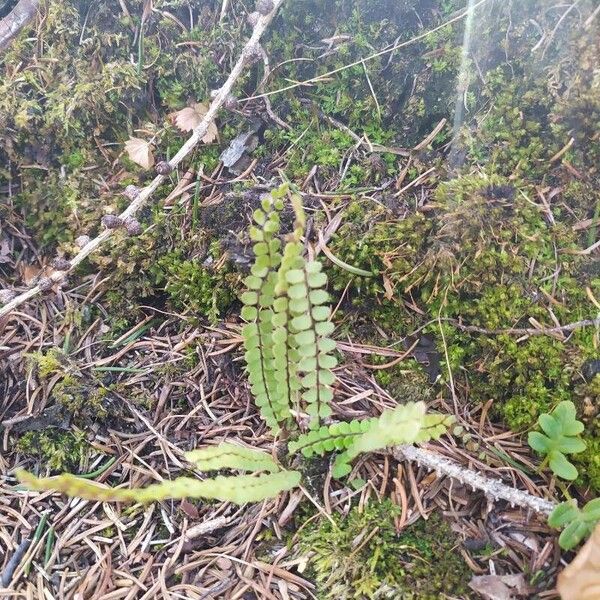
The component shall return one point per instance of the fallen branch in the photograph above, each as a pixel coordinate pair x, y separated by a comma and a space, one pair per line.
140, 200
22, 14
527, 330
494, 489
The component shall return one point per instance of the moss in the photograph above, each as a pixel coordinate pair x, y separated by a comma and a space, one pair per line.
193, 287
56, 450
363, 557
47, 363
84, 401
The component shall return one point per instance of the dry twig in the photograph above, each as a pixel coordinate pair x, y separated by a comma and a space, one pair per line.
493, 488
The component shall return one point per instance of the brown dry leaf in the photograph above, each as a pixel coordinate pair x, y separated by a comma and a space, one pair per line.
29, 273
140, 152
499, 587
389, 287
188, 118
581, 579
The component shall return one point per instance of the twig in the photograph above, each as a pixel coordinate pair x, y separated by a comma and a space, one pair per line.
147, 192
493, 488
13, 563
514, 330
16, 19
528, 330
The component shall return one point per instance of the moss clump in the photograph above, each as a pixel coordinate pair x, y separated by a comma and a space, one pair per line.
56, 450
47, 363
85, 402
363, 557
193, 287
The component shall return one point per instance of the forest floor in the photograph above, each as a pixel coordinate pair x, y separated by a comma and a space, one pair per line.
459, 170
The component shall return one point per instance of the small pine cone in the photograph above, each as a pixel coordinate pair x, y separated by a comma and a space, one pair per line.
253, 18
264, 7
83, 240
230, 102
61, 264
112, 221
7, 295
133, 226
45, 284
163, 167
131, 192
253, 54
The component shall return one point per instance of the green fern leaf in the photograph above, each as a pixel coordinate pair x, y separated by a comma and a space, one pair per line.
231, 456
258, 309
405, 424
310, 328
434, 426
338, 436
240, 489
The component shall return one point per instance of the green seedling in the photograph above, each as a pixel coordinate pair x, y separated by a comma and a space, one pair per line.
561, 429
578, 522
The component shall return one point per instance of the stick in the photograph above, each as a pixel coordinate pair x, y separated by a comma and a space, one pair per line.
146, 193
494, 489
17, 18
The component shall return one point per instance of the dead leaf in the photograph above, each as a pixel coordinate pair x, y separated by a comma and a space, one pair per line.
499, 587
29, 273
389, 287
581, 579
140, 152
188, 118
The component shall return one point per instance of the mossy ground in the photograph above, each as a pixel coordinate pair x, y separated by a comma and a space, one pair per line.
362, 556
476, 244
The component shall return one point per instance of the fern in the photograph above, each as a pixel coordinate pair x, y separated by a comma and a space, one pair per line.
239, 489
338, 436
406, 424
231, 456
288, 351
258, 309
285, 348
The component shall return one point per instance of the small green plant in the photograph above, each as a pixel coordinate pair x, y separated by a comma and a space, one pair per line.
561, 429
290, 362
578, 522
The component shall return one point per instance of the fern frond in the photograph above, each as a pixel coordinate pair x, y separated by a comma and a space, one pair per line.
258, 309
311, 329
240, 489
405, 424
338, 436
231, 456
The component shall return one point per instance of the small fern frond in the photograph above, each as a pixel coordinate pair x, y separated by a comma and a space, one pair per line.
231, 456
405, 424
311, 329
240, 489
338, 436
258, 310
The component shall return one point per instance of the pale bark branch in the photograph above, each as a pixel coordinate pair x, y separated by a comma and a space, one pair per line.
494, 489
198, 133
22, 14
